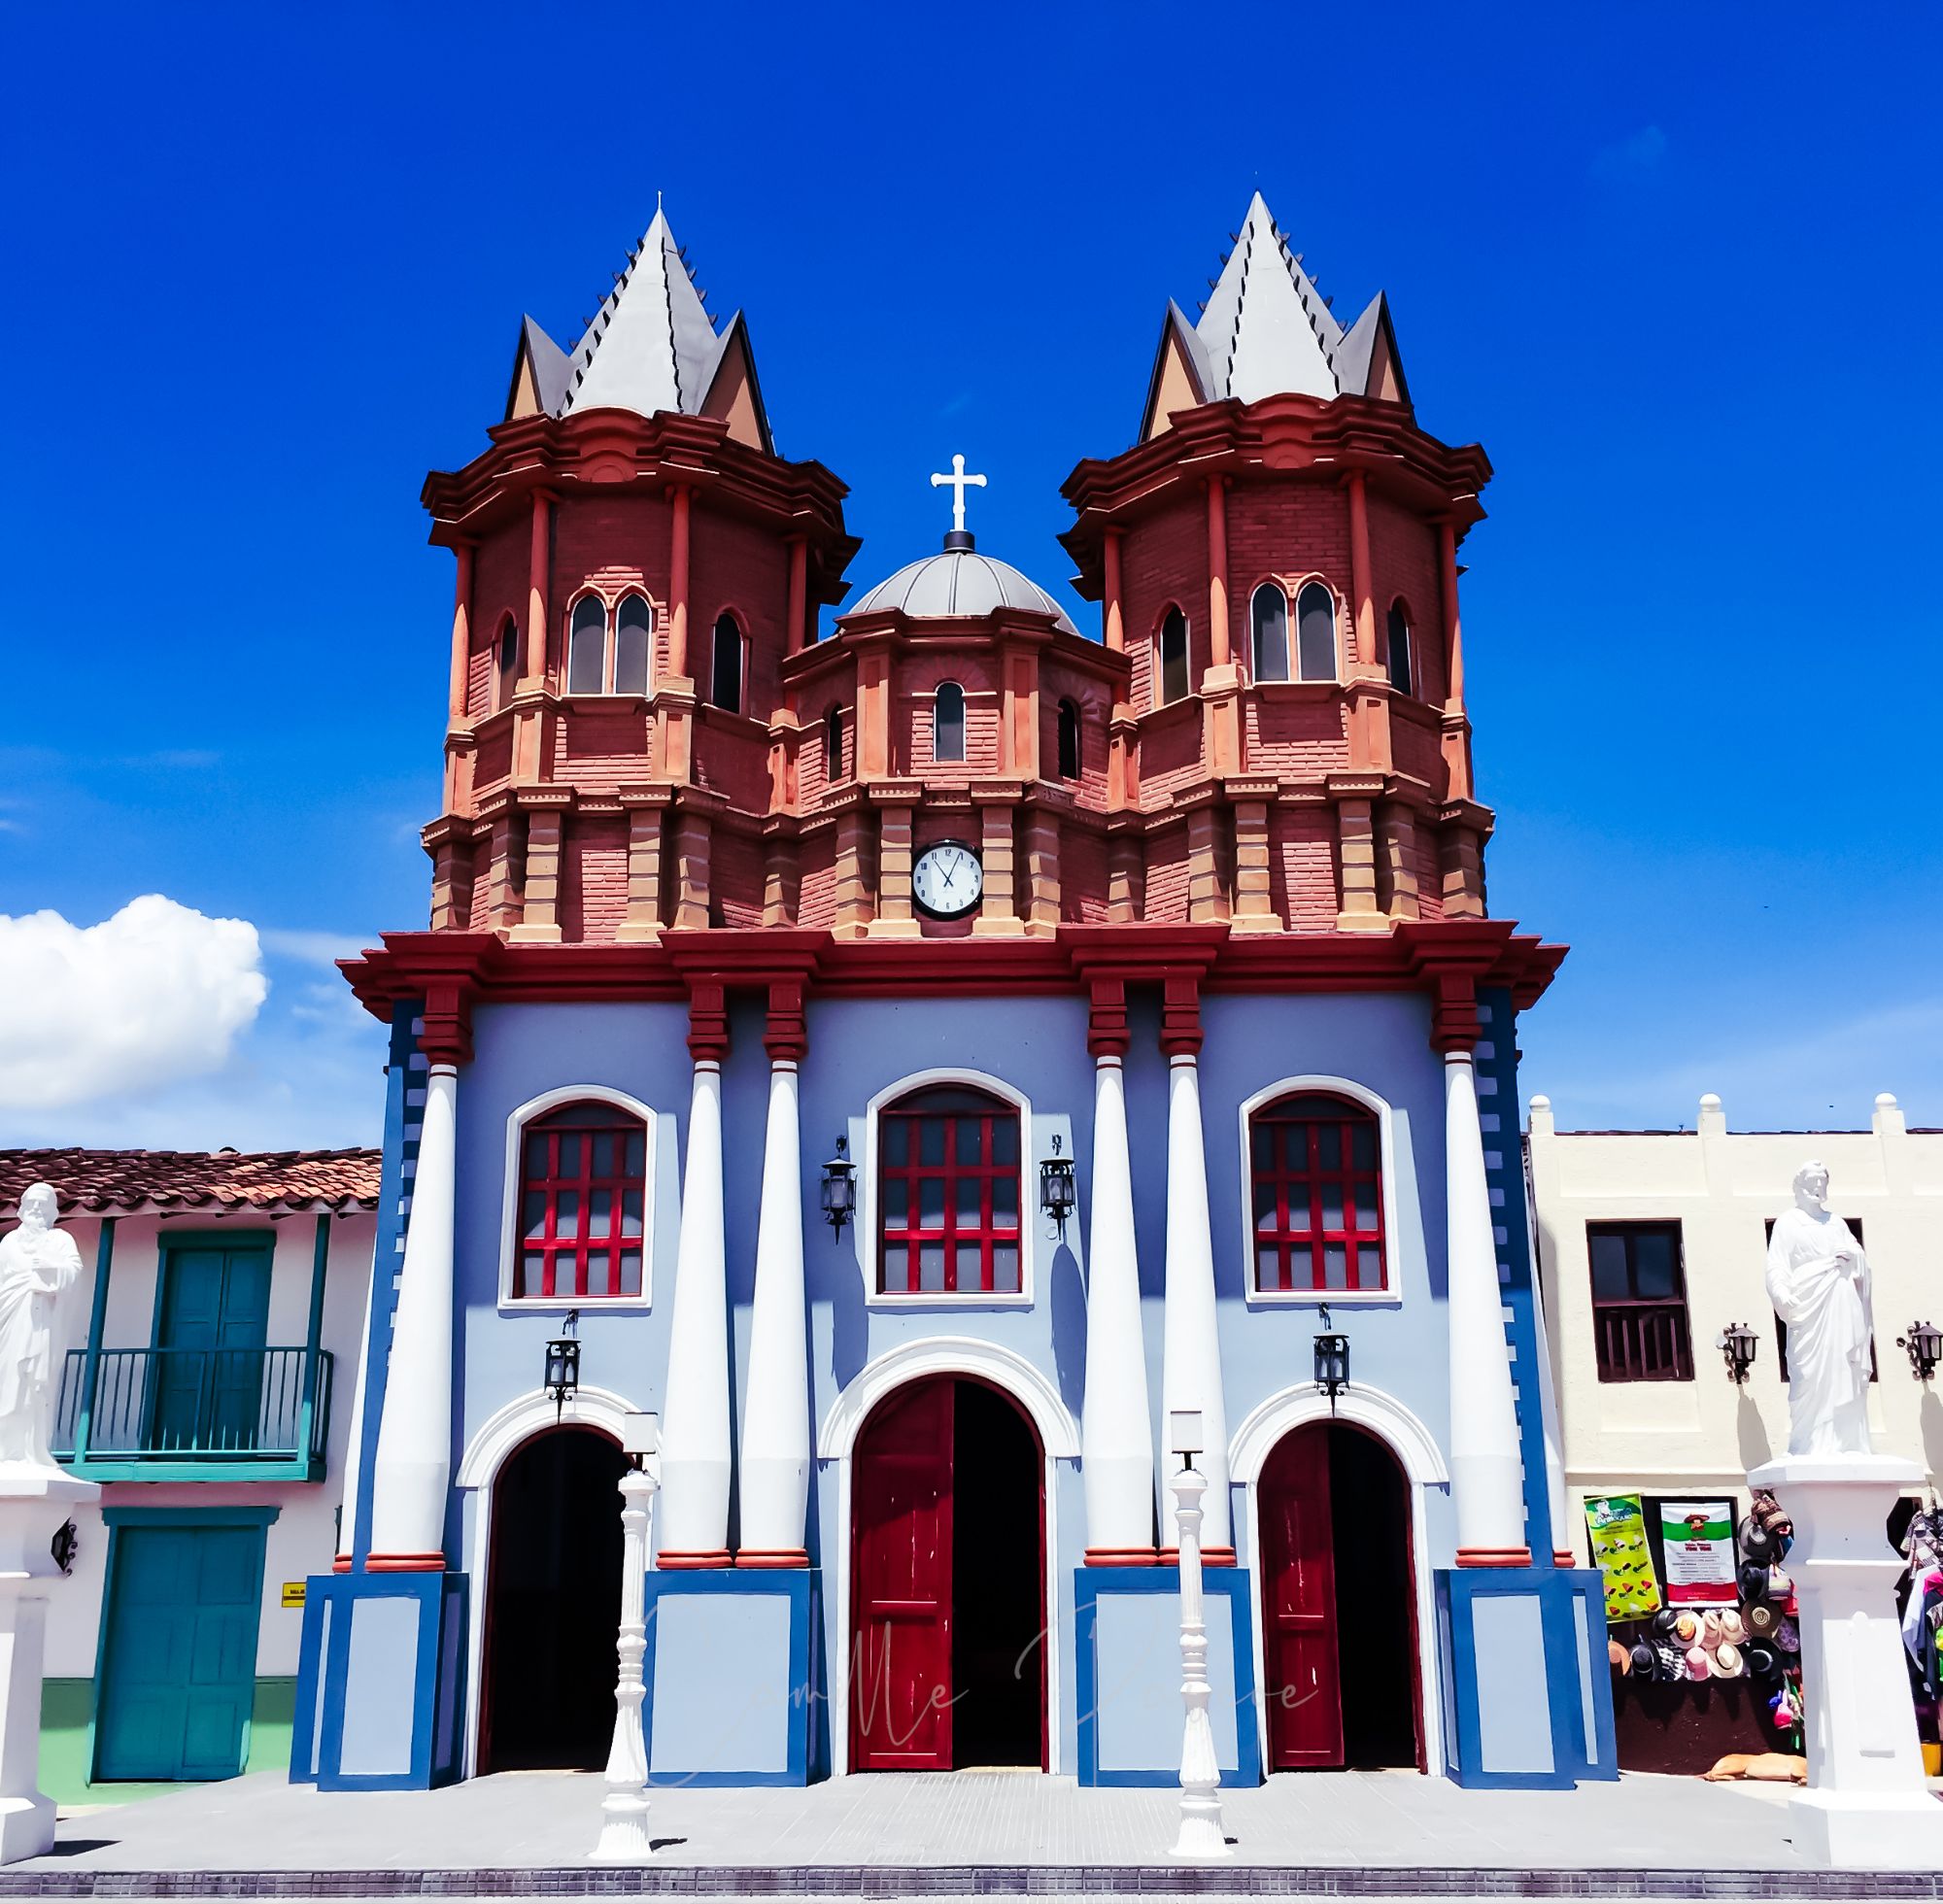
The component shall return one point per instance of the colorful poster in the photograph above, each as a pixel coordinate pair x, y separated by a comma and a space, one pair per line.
1697, 1540
1619, 1550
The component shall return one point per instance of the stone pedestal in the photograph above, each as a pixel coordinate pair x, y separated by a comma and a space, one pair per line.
1867, 1802
34, 1503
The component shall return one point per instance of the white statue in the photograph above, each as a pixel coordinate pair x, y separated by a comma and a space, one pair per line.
1817, 1281
38, 1265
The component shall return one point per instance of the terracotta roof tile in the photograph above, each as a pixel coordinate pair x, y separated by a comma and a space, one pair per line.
111, 1181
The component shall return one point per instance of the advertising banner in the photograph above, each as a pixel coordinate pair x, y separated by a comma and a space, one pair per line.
1621, 1553
1697, 1540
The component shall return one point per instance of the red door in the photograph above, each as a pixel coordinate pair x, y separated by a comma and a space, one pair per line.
901, 1584
1305, 1704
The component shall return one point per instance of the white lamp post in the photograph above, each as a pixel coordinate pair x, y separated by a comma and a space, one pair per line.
623, 1810
1201, 1832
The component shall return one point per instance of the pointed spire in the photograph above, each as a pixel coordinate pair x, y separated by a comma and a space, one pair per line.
1366, 363
541, 373
652, 345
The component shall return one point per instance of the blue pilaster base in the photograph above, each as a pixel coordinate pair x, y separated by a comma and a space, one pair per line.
732, 1699
380, 1682
1127, 1630
1526, 1685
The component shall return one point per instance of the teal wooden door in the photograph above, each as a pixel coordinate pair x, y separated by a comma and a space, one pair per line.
179, 1663
214, 1323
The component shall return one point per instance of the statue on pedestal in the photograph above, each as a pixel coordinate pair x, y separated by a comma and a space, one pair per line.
38, 1265
1817, 1281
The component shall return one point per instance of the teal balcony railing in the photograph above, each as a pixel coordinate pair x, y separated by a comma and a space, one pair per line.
194, 1413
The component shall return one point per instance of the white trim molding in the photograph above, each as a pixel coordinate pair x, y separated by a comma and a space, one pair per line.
1391, 1295
1424, 1467
517, 1120
949, 1355
863, 1142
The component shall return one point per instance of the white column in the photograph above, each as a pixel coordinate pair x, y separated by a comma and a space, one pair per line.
775, 1420
413, 1468
624, 1810
1486, 1477
694, 1433
1190, 1346
1115, 1429
1201, 1833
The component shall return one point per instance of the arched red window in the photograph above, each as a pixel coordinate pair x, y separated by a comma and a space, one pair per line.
1317, 1177
948, 1194
583, 1183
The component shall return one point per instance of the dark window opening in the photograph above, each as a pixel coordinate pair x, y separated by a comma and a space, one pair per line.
1269, 614
947, 722
724, 685
633, 630
833, 744
587, 647
1173, 655
1403, 672
1069, 741
1316, 632
1639, 1302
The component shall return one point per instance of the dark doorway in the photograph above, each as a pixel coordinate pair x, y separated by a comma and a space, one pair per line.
553, 1605
1339, 1603
948, 1660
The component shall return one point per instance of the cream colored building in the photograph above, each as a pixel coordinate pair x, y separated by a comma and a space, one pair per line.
1651, 1242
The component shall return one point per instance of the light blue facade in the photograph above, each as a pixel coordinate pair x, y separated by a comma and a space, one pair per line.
859, 1050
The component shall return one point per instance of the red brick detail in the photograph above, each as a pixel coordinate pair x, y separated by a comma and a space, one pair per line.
707, 1021
1107, 1033
785, 1038
1181, 1016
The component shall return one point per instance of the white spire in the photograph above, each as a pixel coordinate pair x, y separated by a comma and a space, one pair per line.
651, 345
1266, 327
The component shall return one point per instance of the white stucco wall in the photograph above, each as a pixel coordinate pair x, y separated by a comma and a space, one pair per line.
1721, 1187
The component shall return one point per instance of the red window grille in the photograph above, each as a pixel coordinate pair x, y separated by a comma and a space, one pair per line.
1639, 1302
1318, 1203
948, 1185
583, 1183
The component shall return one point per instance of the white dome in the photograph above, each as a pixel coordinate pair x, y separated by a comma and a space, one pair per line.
959, 582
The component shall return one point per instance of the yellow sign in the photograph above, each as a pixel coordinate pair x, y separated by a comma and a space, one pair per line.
293, 1593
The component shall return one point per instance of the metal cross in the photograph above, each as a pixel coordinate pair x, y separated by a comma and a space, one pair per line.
956, 483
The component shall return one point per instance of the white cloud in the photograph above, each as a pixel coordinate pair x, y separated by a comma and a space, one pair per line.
311, 948
150, 997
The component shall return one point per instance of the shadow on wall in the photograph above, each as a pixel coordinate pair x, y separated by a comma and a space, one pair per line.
1067, 1295
1933, 1432
1752, 1431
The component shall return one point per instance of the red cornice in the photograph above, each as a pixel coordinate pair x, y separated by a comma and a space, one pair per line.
1450, 959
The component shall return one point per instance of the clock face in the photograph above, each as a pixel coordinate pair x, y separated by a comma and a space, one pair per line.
948, 880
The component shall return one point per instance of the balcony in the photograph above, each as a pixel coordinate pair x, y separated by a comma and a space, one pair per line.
194, 1413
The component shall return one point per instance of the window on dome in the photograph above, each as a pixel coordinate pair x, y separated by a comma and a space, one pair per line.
1318, 1187
1403, 663
947, 722
633, 630
1069, 741
587, 647
725, 682
506, 661
833, 744
1269, 613
1173, 655
583, 1183
948, 1194
1316, 632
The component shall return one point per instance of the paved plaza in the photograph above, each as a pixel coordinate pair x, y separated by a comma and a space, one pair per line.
980, 1823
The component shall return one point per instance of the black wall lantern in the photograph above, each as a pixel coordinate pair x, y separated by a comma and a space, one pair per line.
562, 1366
1057, 1193
1332, 1362
1738, 1345
839, 1187
1923, 1341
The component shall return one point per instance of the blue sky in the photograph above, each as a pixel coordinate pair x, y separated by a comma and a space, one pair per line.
1674, 267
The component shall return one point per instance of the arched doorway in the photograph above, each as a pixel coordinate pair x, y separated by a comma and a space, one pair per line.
1339, 1603
553, 1605
947, 1582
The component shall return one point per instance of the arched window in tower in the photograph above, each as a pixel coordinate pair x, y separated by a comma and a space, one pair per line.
1173, 655
1069, 741
1268, 615
1316, 632
1403, 663
506, 661
833, 744
587, 647
633, 634
725, 674
1316, 1180
947, 722
948, 1194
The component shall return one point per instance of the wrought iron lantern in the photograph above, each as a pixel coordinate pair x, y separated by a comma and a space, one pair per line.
1332, 1361
839, 1187
1738, 1345
1057, 1191
64, 1546
562, 1366
1924, 1344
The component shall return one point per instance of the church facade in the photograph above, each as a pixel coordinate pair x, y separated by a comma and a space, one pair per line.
917, 1062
